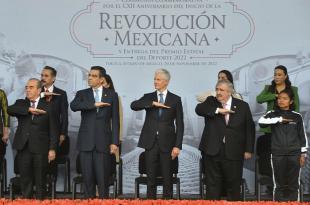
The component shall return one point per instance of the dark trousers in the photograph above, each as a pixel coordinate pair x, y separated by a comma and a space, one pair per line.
286, 170
222, 173
32, 167
155, 158
96, 169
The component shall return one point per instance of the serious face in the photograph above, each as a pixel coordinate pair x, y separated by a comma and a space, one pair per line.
94, 79
222, 92
160, 82
32, 90
279, 76
222, 76
284, 101
47, 78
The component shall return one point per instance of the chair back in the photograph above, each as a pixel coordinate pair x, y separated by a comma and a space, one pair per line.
263, 155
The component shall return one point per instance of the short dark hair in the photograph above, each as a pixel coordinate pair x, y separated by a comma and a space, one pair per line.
290, 94
102, 71
53, 70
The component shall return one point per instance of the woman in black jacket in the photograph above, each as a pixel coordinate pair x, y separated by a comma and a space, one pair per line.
288, 146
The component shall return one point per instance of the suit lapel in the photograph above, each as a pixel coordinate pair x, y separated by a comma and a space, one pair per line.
219, 105
233, 107
154, 97
41, 105
90, 94
104, 93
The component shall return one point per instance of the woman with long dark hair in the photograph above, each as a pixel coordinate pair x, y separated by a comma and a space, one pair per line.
270, 93
108, 83
222, 75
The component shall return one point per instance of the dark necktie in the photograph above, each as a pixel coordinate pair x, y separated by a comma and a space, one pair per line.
33, 105
161, 100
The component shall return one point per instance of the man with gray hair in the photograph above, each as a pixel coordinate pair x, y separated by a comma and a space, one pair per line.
227, 139
162, 132
35, 139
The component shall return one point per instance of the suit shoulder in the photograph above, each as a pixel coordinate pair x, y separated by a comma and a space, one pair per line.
211, 98
84, 90
237, 100
148, 94
60, 91
241, 102
21, 101
174, 95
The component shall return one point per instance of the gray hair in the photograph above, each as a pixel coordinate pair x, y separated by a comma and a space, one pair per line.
228, 83
39, 84
164, 72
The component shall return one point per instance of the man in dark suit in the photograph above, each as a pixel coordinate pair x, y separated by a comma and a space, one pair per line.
35, 138
98, 136
162, 132
227, 139
57, 98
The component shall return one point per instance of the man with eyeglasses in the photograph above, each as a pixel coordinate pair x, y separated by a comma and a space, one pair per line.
98, 136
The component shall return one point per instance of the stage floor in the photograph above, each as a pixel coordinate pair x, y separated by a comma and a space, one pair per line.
249, 197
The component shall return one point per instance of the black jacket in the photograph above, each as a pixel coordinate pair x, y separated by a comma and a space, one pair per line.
60, 107
40, 132
239, 132
98, 130
286, 138
170, 125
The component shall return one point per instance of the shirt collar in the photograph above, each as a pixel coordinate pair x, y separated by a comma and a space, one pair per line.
36, 100
229, 101
99, 89
164, 92
50, 89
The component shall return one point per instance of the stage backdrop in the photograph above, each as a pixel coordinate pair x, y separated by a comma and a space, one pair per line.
193, 39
